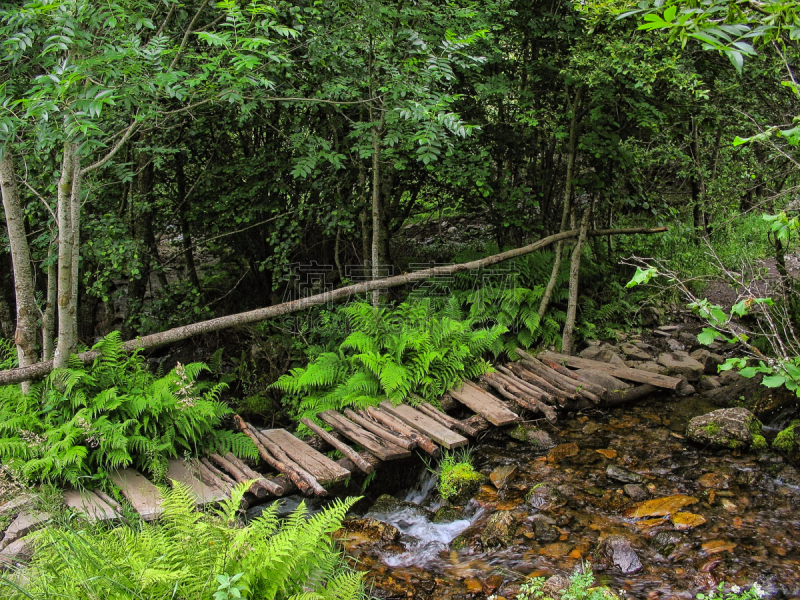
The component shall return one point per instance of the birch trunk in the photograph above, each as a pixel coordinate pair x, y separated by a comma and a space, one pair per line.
567, 337
49, 318
67, 301
24, 285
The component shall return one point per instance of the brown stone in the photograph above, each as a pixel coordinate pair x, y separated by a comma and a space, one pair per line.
563, 451
686, 520
502, 475
659, 507
715, 546
608, 453
714, 480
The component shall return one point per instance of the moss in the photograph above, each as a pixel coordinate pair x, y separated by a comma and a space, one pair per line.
712, 428
755, 428
759, 443
459, 543
785, 440
458, 479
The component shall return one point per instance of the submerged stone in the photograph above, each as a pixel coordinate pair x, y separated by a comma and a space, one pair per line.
727, 428
502, 475
618, 551
686, 520
619, 474
532, 435
659, 507
635, 492
499, 530
563, 451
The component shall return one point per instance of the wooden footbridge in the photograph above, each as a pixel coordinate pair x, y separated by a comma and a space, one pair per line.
538, 385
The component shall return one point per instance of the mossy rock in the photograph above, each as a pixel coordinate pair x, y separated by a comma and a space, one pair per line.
726, 428
459, 483
788, 440
446, 514
532, 435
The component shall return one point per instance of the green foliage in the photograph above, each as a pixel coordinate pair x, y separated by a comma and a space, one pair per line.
8, 354
82, 422
734, 592
580, 588
456, 473
188, 555
392, 353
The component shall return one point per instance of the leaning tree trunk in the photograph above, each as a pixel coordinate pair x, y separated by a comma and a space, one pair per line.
68, 192
574, 130
567, 335
24, 285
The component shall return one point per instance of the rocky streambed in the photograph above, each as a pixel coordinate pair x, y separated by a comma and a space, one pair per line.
652, 513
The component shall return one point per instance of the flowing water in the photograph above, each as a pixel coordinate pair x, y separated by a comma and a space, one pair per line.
564, 502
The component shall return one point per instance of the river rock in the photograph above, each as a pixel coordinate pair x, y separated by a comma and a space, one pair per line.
664, 542
674, 345
25, 523
533, 435
502, 475
659, 507
680, 363
542, 495
634, 352
653, 367
618, 551
446, 514
605, 353
555, 586
563, 451
544, 529
709, 360
685, 389
499, 530
729, 377
726, 428
375, 530
708, 383
620, 474
686, 520
604, 380
635, 492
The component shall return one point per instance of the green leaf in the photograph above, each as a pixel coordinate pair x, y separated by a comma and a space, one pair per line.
707, 336
773, 381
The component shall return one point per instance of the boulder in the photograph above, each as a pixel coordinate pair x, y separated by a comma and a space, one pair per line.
652, 367
634, 352
533, 435
499, 530
726, 428
685, 389
708, 359
604, 380
502, 475
729, 377
617, 551
687, 338
708, 383
16, 504
373, 529
603, 353
680, 363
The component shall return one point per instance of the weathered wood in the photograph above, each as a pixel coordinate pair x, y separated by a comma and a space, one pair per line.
549, 374
322, 468
560, 394
304, 480
220, 474
89, 505
629, 395
395, 424
533, 401
477, 423
189, 475
626, 373
380, 430
522, 385
256, 488
261, 314
427, 426
486, 405
109, 500
268, 458
369, 441
354, 457
366, 457
583, 382
143, 496
261, 481
212, 479
445, 419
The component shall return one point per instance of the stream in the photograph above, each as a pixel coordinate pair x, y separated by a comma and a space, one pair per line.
566, 497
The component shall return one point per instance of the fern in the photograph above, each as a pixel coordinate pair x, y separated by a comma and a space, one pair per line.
180, 556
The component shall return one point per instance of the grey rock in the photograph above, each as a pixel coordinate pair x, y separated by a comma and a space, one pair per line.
603, 379
619, 552
604, 353
15, 504
499, 530
664, 542
619, 474
533, 435
674, 345
542, 495
653, 367
688, 338
633, 352
729, 377
685, 389
17, 552
555, 586
635, 492
708, 382
727, 428
709, 360
544, 528
680, 363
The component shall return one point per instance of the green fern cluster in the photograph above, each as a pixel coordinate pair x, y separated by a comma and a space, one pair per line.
187, 555
8, 354
392, 353
79, 422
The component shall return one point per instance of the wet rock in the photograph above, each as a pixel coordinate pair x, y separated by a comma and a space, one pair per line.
653, 367
726, 428
590, 428
624, 475
686, 520
709, 360
532, 435
714, 480
563, 451
680, 363
499, 530
544, 529
543, 495
617, 551
708, 383
373, 529
635, 492
604, 380
502, 475
609, 453
664, 542
789, 475
555, 586
685, 389
715, 546
446, 514
659, 507
729, 377
634, 352
25, 523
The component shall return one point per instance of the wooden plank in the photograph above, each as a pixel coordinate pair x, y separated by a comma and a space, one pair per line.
320, 466
143, 495
486, 405
386, 434
189, 475
372, 443
626, 373
446, 420
427, 426
89, 505
332, 440
395, 424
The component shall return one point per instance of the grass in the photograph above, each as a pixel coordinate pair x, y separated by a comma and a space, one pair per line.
457, 475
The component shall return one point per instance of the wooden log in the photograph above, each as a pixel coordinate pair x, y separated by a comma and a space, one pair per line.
211, 478
372, 443
188, 473
528, 401
483, 403
447, 420
476, 423
227, 479
427, 426
402, 428
355, 458
524, 386
304, 480
588, 384
380, 431
560, 394
273, 461
626, 373
372, 461
546, 372
319, 466
109, 500
255, 488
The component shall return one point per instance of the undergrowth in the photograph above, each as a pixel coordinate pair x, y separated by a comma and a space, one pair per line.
79, 422
188, 555
456, 474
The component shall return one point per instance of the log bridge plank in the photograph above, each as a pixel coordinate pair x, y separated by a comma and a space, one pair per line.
320, 466
190, 475
144, 497
369, 441
626, 373
486, 405
425, 425
89, 505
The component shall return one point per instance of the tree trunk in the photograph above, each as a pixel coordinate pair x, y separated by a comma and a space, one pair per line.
142, 231
574, 131
377, 211
574, 275
186, 234
67, 300
24, 285
49, 318
697, 182
366, 234
181, 333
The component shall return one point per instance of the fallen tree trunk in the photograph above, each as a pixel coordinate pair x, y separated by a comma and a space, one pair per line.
261, 314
